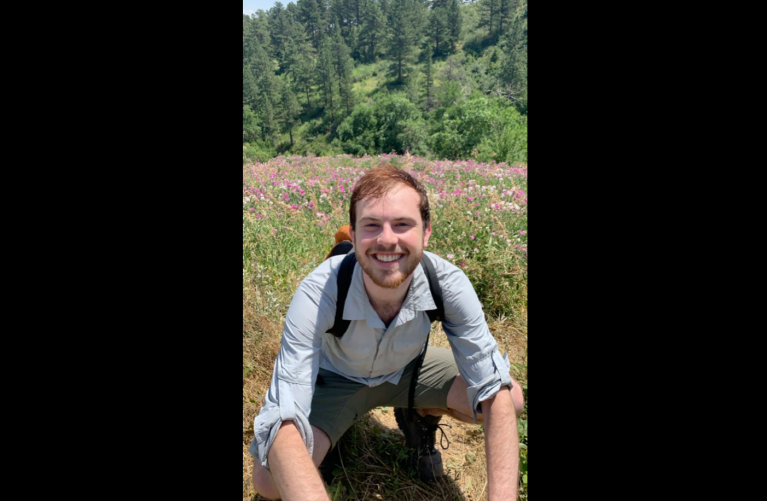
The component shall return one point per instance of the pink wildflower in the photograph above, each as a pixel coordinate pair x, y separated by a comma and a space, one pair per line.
472, 237
450, 256
493, 233
463, 265
522, 232
274, 231
250, 209
471, 199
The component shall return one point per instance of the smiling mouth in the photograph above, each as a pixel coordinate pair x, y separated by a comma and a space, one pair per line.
388, 258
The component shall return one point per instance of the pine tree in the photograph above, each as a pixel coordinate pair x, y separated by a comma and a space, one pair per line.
487, 15
438, 28
290, 111
429, 80
303, 73
249, 87
373, 31
294, 44
326, 75
413, 88
513, 75
404, 22
255, 31
454, 23
267, 87
312, 16
344, 67
277, 28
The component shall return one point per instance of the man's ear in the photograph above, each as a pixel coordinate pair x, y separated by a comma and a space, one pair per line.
351, 234
426, 235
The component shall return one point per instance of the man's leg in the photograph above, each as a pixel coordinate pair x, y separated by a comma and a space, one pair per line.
458, 402
263, 481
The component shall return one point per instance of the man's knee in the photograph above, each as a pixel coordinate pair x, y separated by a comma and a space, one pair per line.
263, 482
518, 397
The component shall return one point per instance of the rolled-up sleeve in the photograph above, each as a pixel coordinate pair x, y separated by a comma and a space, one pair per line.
297, 364
476, 351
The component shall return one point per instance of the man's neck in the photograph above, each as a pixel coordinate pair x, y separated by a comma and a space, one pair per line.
380, 295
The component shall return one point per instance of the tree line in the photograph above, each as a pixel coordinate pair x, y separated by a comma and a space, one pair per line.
448, 79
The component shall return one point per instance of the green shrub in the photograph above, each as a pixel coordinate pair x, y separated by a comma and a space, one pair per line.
257, 152
487, 128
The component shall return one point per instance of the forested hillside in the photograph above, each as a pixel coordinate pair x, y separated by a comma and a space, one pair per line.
439, 78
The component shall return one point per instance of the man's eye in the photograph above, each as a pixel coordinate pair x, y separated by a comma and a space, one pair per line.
371, 225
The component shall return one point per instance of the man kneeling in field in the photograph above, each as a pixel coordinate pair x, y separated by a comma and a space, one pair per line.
322, 383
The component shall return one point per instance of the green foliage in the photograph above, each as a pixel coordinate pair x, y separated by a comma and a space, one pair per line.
250, 128
257, 152
400, 125
301, 87
449, 94
358, 131
486, 125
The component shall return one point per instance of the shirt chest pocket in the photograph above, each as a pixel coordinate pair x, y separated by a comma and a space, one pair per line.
407, 340
359, 343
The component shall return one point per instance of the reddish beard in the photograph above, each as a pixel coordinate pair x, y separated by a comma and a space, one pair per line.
393, 278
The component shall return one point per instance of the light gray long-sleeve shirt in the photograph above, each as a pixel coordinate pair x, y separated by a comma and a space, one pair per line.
369, 352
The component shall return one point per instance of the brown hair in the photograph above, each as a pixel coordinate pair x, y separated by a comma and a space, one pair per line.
382, 179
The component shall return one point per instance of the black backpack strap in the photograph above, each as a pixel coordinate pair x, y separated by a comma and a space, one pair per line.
414, 379
344, 280
438, 314
436, 290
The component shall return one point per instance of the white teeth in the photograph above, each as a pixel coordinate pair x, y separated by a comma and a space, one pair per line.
387, 258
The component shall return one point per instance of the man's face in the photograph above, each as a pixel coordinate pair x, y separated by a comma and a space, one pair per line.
390, 238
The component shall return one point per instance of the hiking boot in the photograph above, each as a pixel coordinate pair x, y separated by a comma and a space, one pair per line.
331, 462
420, 435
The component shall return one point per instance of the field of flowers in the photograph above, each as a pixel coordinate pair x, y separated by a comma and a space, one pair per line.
292, 207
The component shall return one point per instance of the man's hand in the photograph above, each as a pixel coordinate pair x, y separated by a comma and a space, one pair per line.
501, 446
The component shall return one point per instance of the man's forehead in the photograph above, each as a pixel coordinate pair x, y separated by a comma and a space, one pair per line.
402, 199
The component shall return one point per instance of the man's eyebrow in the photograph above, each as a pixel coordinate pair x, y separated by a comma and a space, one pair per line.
401, 218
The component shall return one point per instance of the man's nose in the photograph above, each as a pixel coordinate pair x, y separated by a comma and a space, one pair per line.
387, 236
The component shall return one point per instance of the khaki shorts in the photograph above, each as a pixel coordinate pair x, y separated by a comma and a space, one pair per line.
338, 402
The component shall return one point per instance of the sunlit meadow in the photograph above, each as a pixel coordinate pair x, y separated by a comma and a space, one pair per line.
292, 207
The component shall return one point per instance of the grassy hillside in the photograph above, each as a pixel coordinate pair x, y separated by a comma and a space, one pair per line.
292, 207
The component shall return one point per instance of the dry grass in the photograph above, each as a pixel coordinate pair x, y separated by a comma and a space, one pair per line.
371, 469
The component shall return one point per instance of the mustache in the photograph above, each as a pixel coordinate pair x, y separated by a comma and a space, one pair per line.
381, 249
